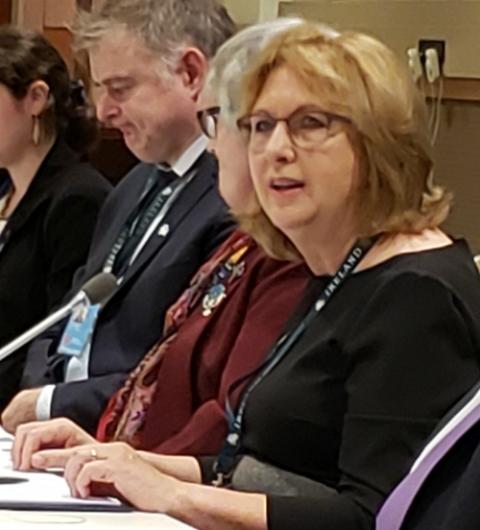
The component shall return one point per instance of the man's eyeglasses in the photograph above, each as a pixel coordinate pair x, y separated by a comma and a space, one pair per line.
208, 120
308, 127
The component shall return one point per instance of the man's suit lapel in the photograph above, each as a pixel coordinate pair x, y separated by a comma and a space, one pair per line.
202, 182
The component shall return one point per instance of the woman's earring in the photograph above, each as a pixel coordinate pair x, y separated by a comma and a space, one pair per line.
36, 130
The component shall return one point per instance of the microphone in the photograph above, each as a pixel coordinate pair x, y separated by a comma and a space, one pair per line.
96, 290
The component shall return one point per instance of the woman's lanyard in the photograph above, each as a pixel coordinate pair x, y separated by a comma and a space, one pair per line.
138, 222
226, 460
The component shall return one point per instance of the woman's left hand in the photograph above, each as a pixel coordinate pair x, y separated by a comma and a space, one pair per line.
99, 468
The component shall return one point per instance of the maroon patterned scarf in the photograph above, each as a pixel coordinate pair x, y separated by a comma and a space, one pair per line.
124, 417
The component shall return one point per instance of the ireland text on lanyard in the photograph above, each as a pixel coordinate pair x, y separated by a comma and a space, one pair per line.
226, 460
132, 233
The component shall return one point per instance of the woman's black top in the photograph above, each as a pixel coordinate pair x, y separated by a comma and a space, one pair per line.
352, 403
45, 240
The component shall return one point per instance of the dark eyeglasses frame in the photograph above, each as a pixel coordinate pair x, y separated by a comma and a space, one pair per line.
203, 115
244, 126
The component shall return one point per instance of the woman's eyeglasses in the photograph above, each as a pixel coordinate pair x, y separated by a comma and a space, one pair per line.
208, 120
307, 127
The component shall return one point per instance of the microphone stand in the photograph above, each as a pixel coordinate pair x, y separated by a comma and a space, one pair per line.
80, 299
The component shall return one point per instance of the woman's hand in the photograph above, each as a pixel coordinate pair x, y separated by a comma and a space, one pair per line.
38, 435
119, 470
184, 468
116, 469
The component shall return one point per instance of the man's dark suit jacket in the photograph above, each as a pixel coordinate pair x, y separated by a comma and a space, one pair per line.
450, 497
44, 242
132, 320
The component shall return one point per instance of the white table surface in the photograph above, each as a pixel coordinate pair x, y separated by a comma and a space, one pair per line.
26, 520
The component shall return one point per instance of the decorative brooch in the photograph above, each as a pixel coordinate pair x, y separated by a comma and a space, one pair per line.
225, 274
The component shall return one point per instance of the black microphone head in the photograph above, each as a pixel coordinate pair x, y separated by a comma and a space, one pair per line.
99, 287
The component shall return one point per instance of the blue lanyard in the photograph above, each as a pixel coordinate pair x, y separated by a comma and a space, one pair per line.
226, 460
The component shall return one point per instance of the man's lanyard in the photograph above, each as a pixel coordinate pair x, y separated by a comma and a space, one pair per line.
225, 463
148, 210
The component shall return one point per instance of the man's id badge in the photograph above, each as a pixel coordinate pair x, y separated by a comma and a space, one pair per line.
79, 330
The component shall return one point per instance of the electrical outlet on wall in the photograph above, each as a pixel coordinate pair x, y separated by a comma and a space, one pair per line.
431, 44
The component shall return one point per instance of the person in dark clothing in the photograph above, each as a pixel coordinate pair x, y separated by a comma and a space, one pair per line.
49, 197
386, 339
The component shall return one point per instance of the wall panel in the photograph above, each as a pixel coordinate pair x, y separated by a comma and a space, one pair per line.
5, 11
458, 166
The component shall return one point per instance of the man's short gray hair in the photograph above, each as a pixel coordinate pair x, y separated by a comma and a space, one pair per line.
163, 25
235, 56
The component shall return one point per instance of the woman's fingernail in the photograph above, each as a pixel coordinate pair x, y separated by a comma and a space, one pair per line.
38, 460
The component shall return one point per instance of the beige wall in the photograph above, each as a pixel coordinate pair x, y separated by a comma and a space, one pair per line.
242, 11
402, 23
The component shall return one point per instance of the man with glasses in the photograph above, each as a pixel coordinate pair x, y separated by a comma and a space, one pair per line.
149, 59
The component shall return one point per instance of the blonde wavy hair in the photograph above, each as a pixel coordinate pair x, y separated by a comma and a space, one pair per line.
358, 77
224, 80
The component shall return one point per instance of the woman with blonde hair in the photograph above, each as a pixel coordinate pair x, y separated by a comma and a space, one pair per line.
388, 335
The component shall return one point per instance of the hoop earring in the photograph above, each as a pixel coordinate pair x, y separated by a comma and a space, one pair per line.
36, 130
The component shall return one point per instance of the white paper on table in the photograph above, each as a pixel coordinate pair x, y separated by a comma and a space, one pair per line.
43, 489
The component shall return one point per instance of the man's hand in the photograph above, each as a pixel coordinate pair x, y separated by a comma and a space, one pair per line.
39, 435
21, 409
